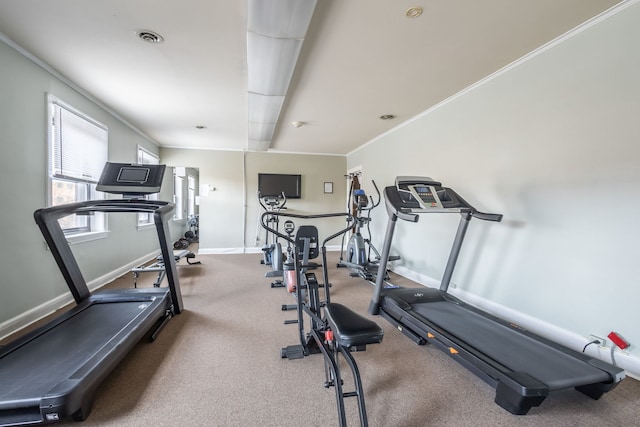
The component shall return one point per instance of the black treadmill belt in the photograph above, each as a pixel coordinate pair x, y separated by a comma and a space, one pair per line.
507, 346
61, 353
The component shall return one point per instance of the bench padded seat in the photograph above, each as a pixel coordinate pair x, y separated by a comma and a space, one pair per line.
351, 329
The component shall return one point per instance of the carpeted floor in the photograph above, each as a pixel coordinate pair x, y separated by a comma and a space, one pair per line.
218, 364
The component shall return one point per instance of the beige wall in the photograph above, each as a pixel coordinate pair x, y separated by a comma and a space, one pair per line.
229, 214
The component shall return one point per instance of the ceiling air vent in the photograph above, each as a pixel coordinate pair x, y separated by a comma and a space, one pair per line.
150, 36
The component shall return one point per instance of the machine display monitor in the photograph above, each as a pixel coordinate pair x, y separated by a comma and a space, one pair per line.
131, 175
131, 179
426, 195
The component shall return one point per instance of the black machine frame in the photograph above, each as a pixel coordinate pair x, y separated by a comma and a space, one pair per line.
522, 366
357, 254
52, 372
335, 330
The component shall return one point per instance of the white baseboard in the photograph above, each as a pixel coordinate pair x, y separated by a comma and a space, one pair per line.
569, 339
25, 319
248, 250
216, 251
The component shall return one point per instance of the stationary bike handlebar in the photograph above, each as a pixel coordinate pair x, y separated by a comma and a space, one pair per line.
348, 216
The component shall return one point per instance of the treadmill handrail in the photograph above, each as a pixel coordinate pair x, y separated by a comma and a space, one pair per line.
476, 213
397, 206
47, 220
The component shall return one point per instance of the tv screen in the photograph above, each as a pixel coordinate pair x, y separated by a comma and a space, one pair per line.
126, 178
274, 184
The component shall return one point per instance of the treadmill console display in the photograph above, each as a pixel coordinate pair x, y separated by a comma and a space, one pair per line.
131, 179
426, 196
131, 175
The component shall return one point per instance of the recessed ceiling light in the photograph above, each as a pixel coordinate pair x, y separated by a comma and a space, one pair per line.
414, 12
150, 36
387, 117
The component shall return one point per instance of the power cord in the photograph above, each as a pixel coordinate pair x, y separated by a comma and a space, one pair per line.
588, 344
613, 360
613, 347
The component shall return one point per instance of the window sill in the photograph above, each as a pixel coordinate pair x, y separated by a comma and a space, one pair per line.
145, 226
86, 237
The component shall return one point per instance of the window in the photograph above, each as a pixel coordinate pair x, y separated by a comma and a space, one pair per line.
146, 157
77, 152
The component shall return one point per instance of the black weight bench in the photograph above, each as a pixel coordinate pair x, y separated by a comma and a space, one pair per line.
348, 331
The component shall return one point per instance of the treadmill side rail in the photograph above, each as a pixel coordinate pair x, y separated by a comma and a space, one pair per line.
47, 220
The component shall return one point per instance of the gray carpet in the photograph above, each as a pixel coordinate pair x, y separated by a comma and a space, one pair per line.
218, 364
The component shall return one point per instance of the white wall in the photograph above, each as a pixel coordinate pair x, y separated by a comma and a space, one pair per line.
553, 144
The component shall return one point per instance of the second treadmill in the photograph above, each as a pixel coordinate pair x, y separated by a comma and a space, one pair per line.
523, 367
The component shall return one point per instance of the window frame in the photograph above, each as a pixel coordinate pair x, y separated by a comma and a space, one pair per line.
96, 226
145, 219
179, 199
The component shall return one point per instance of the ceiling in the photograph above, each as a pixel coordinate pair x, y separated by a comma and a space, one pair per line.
360, 59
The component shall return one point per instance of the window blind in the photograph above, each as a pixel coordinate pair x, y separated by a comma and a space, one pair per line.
80, 146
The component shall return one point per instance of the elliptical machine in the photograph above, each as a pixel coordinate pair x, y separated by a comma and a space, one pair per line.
272, 252
193, 234
357, 256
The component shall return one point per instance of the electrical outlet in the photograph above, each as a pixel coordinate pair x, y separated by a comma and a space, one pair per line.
618, 340
603, 341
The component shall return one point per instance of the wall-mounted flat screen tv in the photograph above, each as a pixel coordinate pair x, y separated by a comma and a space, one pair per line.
274, 184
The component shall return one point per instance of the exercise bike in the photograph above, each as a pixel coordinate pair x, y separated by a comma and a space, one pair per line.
306, 250
357, 256
272, 252
334, 329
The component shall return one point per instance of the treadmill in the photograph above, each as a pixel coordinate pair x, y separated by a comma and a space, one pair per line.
52, 373
523, 367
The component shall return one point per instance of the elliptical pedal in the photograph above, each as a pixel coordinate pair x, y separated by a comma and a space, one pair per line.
292, 352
